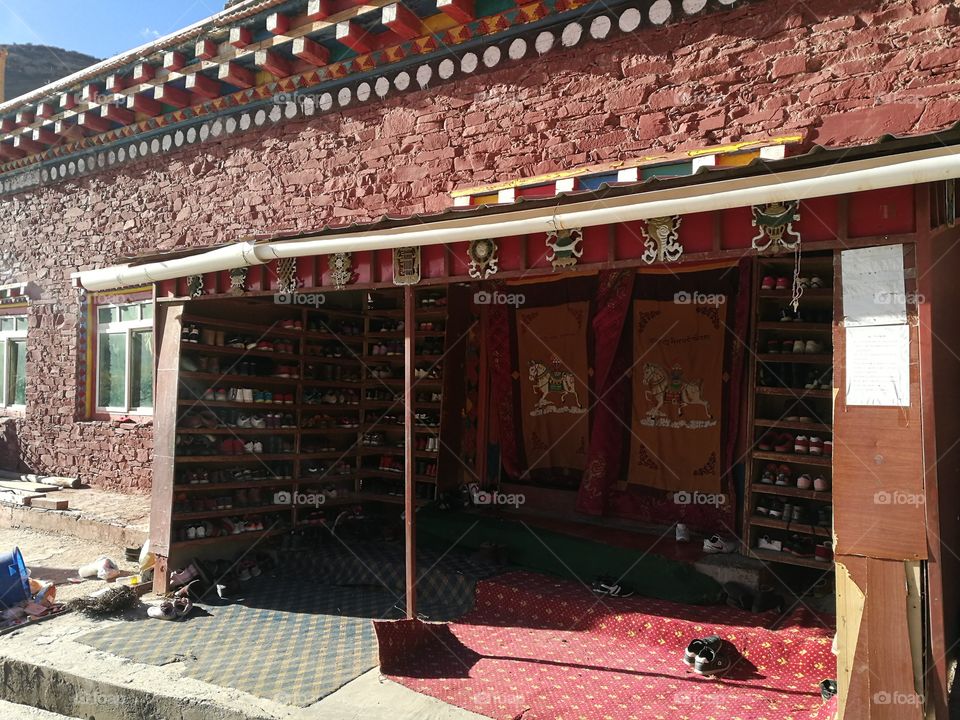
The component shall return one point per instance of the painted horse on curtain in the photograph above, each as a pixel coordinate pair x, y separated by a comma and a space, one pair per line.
664, 386
546, 381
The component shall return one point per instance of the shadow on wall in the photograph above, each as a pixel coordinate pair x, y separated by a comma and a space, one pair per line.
10, 457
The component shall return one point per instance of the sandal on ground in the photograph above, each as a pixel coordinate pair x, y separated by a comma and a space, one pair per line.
163, 611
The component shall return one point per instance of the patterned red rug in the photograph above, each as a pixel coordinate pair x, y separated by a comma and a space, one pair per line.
538, 648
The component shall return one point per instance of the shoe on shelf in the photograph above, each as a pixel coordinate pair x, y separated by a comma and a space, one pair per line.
765, 443
801, 446
783, 443
781, 283
767, 283
816, 445
804, 482
821, 484
823, 552
812, 347
765, 543
799, 346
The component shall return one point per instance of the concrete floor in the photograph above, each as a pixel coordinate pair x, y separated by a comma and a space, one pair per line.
44, 665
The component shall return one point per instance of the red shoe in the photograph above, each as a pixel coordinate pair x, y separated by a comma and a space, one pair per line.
783, 443
801, 446
816, 445
828, 448
765, 444
781, 283
767, 283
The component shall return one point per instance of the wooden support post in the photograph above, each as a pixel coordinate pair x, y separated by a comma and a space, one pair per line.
310, 51
409, 516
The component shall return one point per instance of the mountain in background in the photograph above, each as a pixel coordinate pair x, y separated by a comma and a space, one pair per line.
31, 66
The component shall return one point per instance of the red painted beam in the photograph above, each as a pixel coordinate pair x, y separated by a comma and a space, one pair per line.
91, 92
203, 86
8, 123
353, 36
278, 23
401, 21
115, 83
44, 136
110, 111
273, 63
92, 121
236, 75
319, 9
240, 37
24, 117
310, 51
22, 142
144, 71
205, 49
172, 96
460, 10
9, 152
145, 104
174, 60
46, 109
68, 130
68, 101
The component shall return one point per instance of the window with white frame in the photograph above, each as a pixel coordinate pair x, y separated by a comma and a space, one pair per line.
124, 363
13, 360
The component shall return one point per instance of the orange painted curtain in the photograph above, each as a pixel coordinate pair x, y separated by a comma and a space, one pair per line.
678, 351
554, 394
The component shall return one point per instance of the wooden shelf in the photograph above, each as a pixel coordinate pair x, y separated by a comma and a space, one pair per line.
791, 327
239, 353
253, 329
793, 458
323, 431
250, 536
342, 384
790, 491
227, 512
797, 527
199, 402
794, 425
787, 558
808, 358
395, 499
244, 380
825, 293
236, 431
797, 393
240, 485
229, 459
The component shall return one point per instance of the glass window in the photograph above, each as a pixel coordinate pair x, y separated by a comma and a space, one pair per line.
124, 370
13, 360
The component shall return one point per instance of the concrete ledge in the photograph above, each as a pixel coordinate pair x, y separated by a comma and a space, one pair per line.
71, 522
733, 567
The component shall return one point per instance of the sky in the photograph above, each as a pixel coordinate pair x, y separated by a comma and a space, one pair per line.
101, 28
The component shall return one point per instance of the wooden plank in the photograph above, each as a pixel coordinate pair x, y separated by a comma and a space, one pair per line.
878, 484
853, 690
49, 503
409, 485
29, 486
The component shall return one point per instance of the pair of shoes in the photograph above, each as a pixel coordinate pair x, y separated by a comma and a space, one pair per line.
707, 656
611, 588
176, 609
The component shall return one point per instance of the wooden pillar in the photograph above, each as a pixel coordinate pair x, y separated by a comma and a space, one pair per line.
409, 485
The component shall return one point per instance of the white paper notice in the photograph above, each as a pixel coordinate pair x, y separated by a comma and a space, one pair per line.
873, 286
878, 365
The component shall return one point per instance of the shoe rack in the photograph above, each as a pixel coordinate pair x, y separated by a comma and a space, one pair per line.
307, 402
788, 512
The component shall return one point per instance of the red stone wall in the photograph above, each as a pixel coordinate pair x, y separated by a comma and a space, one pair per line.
838, 71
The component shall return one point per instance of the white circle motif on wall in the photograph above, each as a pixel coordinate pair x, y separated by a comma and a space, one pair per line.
72, 168
111, 157
424, 73
660, 12
154, 146
491, 56
144, 148
363, 91
191, 135
53, 173
468, 63
571, 35
308, 105
290, 110
121, 156
275, 113
245, 121
402, 81
230, 125
81, 165
132, 151
381, 86
326, 102
693, 6
517, 49
600, 27
630, 20
204, 132
167, 143
344, 96
544, 42
446, 69
260, 117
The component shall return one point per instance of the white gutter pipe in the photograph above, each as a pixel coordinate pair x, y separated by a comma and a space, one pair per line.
224, 258
857, 176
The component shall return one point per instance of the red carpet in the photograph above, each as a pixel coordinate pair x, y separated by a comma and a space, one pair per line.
538, 648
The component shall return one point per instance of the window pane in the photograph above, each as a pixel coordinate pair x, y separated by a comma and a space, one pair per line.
21, 323
110, 369
141, 369
3, 372
147, 311
106, 315
129, 312
18, 372
6, 324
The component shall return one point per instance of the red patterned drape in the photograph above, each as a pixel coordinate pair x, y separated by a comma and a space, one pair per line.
496, 328
606, 439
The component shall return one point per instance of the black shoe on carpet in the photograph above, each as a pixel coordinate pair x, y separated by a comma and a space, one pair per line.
610, 588
697, 646
711, 661
828, 688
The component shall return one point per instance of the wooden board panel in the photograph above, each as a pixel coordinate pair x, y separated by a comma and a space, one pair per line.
853, 686
878, 488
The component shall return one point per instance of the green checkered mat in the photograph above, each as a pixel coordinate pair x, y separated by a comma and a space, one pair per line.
288, 640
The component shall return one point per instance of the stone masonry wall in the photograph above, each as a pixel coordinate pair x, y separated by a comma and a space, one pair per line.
837, 71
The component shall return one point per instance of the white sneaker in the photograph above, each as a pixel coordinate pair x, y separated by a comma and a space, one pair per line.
244, 421
716, 544
683, 534
765, 543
